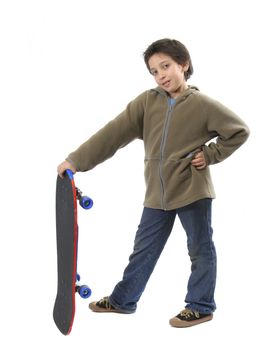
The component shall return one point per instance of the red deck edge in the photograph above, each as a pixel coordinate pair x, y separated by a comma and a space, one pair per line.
74, 253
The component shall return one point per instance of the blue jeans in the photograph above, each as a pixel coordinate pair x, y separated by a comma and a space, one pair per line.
153, 232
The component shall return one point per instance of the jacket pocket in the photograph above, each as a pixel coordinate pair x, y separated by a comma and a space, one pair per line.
179, 169
151, 169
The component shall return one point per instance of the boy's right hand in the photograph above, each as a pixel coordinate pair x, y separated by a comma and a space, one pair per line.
64, 166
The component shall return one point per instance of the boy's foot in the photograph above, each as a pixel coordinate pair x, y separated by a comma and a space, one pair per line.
188, 318
104, 305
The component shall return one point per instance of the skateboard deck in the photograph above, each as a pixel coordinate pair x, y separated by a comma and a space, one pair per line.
67, 250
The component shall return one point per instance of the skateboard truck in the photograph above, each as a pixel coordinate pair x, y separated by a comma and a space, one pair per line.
83, 290
84, 201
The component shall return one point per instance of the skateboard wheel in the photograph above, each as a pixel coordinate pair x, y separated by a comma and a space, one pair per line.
78, 277
86, 202
84, 291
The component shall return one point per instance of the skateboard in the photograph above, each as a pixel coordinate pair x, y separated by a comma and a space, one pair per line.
67, 195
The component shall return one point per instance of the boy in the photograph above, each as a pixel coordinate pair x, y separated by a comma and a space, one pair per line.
175, 121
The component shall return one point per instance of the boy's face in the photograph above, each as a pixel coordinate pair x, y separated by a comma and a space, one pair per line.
168, 74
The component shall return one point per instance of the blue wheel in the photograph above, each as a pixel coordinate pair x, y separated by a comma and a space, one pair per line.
78, 277
84, 291
86, 202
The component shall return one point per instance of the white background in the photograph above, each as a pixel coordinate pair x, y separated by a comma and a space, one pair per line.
66, 69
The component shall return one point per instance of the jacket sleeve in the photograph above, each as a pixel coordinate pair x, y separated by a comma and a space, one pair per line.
230, 131
126, 127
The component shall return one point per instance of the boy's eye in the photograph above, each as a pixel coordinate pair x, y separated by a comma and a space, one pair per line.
163, 66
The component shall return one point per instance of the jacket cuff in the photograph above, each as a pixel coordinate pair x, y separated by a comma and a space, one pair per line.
72, 162
206, 155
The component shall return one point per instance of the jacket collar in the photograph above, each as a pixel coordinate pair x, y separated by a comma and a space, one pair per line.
183, 96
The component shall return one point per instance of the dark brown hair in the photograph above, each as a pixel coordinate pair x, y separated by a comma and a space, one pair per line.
173, 48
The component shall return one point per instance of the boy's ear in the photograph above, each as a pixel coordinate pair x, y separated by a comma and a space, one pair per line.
185, 66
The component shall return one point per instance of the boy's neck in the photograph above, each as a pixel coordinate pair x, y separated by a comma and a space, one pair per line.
179, 91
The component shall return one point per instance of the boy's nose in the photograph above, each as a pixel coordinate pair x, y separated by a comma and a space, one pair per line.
161, 75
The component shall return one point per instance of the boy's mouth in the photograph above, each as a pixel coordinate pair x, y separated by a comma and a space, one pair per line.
166, 84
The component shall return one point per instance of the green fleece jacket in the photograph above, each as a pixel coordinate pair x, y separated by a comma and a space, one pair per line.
172, 134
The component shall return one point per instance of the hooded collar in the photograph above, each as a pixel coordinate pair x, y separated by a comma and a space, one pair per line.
183, 96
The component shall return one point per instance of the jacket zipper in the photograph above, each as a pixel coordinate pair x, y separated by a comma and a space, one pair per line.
162, 147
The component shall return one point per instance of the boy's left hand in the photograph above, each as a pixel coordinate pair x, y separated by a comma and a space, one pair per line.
199, 161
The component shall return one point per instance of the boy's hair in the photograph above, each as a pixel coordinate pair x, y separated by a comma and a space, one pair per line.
173, 48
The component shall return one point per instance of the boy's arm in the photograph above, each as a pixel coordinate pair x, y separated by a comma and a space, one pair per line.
116, 134
230, 130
